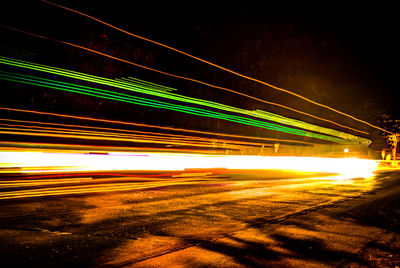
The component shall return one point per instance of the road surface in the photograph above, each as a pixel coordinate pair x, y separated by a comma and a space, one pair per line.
264, 219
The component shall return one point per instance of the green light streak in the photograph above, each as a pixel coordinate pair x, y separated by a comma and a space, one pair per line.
144, 87
147, 102
296, 123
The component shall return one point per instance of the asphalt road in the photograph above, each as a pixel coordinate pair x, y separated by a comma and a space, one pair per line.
278, 219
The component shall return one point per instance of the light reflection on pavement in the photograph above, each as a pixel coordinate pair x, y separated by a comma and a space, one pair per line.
155, 216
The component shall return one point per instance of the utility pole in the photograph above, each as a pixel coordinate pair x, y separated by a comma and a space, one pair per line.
393, 139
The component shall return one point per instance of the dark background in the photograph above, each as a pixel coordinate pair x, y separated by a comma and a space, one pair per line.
344, 56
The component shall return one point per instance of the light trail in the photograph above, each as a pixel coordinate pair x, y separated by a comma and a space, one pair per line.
218, 66
216, 148
116, 135
80, 135
188, 79
102, 120
164, 105
43, 173
46, 170
101, 93
55, 187
87, 189
31, 162
41, 182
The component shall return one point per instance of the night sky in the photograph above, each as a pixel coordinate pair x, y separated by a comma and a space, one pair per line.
344, 56
325, 52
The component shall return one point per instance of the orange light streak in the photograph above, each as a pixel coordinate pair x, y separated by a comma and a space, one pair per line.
151, 126
101, 135
96, 136
198, 81
76, 148
227, 70
167, 138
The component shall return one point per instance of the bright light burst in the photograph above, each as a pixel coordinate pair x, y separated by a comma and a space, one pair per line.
43, 162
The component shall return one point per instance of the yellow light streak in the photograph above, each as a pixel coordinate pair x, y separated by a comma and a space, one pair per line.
84, 189
41, 182
92, 188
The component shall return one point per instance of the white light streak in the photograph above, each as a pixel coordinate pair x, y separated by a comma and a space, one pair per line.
42, 162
